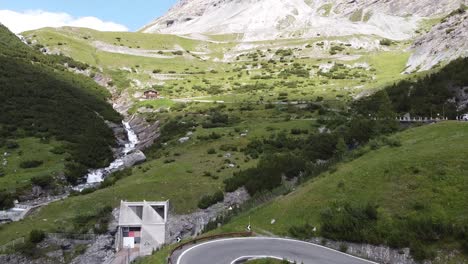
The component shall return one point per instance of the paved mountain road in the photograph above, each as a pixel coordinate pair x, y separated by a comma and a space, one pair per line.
227, 251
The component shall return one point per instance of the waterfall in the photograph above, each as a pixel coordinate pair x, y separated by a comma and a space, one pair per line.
132, 138
97, 175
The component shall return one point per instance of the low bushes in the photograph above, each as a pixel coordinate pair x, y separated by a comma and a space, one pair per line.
36, 236
211, 136
268, 173
6, 200
31, 164
175, 127
386, 42
209, 200
43, 181
349, 222
303, 232
211, 151
114, 177
97, 221
464, 245
217, 119
10, 144
362, 223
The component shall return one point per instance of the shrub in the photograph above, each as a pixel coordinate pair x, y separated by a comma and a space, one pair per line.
11, 144
102, 219
6, 200
88, 191
28, 249
392, 142
43, 181
211, 136
386, 42
36, 236
335, 49
343, 247
209, 200
74, 171
211, 151
31, 164
268, 173
97, 220
175, 127
374, 144
269, 106
464, 245
303, 232
421, 252
349, 222
59, 150
229, 147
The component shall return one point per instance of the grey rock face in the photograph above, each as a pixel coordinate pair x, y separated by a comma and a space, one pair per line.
100, 251
445, 42
190, 225
133, 158
119, 132
18, 259
394, 19
381, 254
147, 132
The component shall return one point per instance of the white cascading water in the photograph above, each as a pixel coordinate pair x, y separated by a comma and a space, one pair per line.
132, 138
97, 175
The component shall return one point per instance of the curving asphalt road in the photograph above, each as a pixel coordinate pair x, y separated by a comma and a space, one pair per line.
228, 251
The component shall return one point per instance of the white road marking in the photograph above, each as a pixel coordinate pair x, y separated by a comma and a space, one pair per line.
270, 238
257, 257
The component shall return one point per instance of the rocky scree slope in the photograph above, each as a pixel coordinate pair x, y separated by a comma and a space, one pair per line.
446, 41
273, 19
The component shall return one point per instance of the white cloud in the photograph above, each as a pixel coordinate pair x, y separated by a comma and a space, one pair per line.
29, 20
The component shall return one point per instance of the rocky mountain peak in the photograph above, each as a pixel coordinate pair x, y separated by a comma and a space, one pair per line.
445, 41
272, 19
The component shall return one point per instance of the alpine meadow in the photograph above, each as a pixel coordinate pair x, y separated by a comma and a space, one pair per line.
239, 131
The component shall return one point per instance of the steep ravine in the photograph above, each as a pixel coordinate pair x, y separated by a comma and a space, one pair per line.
138, 135
133, 135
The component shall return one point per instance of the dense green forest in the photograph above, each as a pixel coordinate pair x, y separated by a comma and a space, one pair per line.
40, 97
431, 94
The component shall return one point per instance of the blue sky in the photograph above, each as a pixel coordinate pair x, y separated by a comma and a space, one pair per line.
133, 14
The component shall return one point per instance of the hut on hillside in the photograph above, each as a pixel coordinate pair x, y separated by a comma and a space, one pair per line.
151, 94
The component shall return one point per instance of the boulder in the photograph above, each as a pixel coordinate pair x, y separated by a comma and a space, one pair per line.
133, 158
184, 139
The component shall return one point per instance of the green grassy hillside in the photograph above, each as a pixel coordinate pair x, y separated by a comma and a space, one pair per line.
41, 99
381, 193
221, 68
418, 190
182, 173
